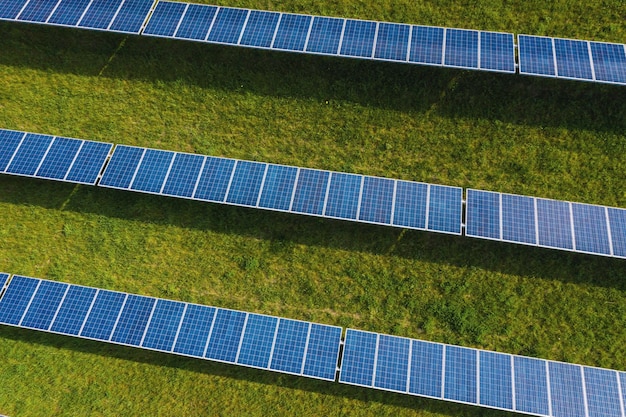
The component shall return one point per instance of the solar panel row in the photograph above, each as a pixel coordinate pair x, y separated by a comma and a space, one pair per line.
50, 157
127, 16
574, 59
556, 224
478, 377
461, 48
286, 188
247, 339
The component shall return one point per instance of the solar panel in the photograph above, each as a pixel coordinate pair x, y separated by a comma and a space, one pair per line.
617, 222
609, 62
196, 23
427, 45
37, 10
3, 280
131, 16
531, 386
566, 390
343, 196
460, 374
461, 48
227, 25
536, 55
482, 215
358, 38
497, 52
100, 14
603, 392
68, 12
9, 142
253, 340
9, 9
292, 32
572, 59
392, 41
260, 29
325, 35
496, 380
165, 19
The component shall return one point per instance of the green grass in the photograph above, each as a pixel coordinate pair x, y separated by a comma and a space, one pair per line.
549, 138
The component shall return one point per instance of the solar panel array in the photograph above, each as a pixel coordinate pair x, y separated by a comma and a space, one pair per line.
217, 334
285, 188
471, 49
52, 157
446, 372
483, 378
554, 224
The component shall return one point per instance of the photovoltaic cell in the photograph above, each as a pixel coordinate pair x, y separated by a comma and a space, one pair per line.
566, 390
536, 55
103, 315
310, 191
609, 62
122, 166
37, 10
9, 141
292, 32
16, 298
100, 13
460, 374
194, 330
325, 35
518, 219
444, 209
152, 171
131, 16
496, 383
482, 217
290, 344
278, 187
392, 363
617, 220
44, 305
132, 322
411, 204
68, 12
322, 352
196, 22
572, 59
257, 342
359, 355
531, 385
601, 387
358, 38
461, 48
343, 195
161, 331
214, 179
590, 229
89, 162
554, 224
376, 200
427, 45
9, 9
59, 158
426, 369
29, 155
246, 183
227, 25
392, 41
497, 51
260, 29
183, 175
225, 335
165, 18
73, 311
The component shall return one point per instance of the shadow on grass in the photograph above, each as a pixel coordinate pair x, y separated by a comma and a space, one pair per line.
243, 373
409, 88
284, 229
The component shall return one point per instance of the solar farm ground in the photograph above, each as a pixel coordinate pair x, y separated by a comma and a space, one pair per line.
509, 133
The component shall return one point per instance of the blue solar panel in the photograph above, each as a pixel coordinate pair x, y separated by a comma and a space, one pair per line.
427, 45
617, 220
3, 280
292, 32
278, 187
482, 217
358, 38
122, 166
74, 309
227, 26
325, 35
89, 162
322, 352
183, 175
497, 51
601, 387
37, 10
69, 12
153, 170
531, 385
359, 356
392, 41
411, 204
258, 340
246, 183
554, 224
572, 59
100, 14
197, 22
165, 18
9, 141
376, 200
392, 363
194, 330
518, 219
496, 383
131, 16
536, 55
343, 195
44, 305
310, 191
29, 155
214, 179
225, 335
290, 344
566, 390
260, 29
426, 369
460, 374
444, 209
590, 228
133, 320
16, 299
461, 48
9, 9
609, 62
164, 324
59, 158
103, 315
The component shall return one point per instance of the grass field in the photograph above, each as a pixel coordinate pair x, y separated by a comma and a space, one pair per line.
509, 133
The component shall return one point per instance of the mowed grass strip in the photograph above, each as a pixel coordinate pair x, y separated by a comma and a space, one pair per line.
508, 133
